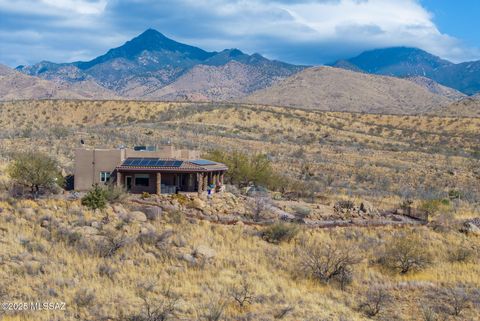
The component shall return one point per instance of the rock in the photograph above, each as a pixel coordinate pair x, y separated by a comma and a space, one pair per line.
137, 216
367, 208
45, 223
204, 252
86, 230
180, 241
28, 212
150, 257
471, 228
119, 209
188, 258
153, 213
96, 224
198, 204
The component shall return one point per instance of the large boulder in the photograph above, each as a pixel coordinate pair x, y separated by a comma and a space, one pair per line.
153, 213
204, 252
472, 226
137, 216
198, 204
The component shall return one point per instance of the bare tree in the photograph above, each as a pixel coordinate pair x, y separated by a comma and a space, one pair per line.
161, 308
327, 262
375, 301
260, 203
406, 253
242, 293
458, 298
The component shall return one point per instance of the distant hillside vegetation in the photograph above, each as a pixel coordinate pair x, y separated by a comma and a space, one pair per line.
326, 88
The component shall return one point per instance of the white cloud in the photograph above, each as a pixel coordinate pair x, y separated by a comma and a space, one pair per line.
301, 31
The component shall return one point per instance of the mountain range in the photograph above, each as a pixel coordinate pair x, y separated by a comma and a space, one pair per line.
413, 62
154, 67
148, 66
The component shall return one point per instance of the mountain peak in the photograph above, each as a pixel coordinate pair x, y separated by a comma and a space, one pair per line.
150, 40
395, 61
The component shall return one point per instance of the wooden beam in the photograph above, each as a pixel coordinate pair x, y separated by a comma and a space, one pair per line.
159, 184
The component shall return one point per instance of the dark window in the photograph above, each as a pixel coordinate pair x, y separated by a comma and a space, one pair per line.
142, 180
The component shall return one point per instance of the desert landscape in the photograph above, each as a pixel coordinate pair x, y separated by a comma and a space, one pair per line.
328, 171
341, 186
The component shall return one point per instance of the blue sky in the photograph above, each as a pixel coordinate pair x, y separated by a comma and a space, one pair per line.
300, 31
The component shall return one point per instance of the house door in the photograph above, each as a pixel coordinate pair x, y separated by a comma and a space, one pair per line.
128, 182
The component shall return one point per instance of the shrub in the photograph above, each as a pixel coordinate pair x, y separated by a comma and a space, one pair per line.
115, 194
244, 168
328, 262
36, 171
375, 301
96, 198
279, 232
302, 212
242, 293
405, 253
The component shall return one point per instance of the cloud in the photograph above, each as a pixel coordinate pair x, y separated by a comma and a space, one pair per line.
303, 31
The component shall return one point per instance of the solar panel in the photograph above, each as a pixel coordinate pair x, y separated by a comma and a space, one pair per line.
202, 162
136, 162
151, 162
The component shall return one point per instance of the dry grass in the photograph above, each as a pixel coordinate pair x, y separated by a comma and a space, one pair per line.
381, 158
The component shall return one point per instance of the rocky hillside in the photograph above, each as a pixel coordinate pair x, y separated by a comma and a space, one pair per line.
436, 88
18, 86
469, 107
326, 88
152, 66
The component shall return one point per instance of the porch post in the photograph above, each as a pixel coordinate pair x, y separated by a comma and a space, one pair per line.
199, 182
222, 176
120, 179
159, 184
205, 181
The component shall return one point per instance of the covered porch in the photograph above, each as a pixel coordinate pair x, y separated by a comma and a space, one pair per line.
168, 182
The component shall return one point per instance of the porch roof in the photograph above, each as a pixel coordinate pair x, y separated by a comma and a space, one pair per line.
170, 165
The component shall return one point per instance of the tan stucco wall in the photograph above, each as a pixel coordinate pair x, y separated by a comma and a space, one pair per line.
89, 164
87, 169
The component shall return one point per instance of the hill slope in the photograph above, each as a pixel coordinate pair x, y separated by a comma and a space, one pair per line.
413, 62
467, 107
326, 88
15, 85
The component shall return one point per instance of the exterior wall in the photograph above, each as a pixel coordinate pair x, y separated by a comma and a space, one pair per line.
89, 164
152, 184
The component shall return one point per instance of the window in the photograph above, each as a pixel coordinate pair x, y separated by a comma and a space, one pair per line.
104, 177
142, 180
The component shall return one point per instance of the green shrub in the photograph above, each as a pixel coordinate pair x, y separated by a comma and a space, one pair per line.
279, 232
115, 194
36, 171
96, 198
244, 168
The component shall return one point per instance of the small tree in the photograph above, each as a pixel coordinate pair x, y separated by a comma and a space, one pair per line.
327, 262
96, 198
375, 301
36, 171
259, 205
242, 293
406, 253
458, 299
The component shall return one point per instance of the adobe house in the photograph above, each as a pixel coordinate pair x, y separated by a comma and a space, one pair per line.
162, 170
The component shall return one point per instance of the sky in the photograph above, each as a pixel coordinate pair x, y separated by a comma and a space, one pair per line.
296, 31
